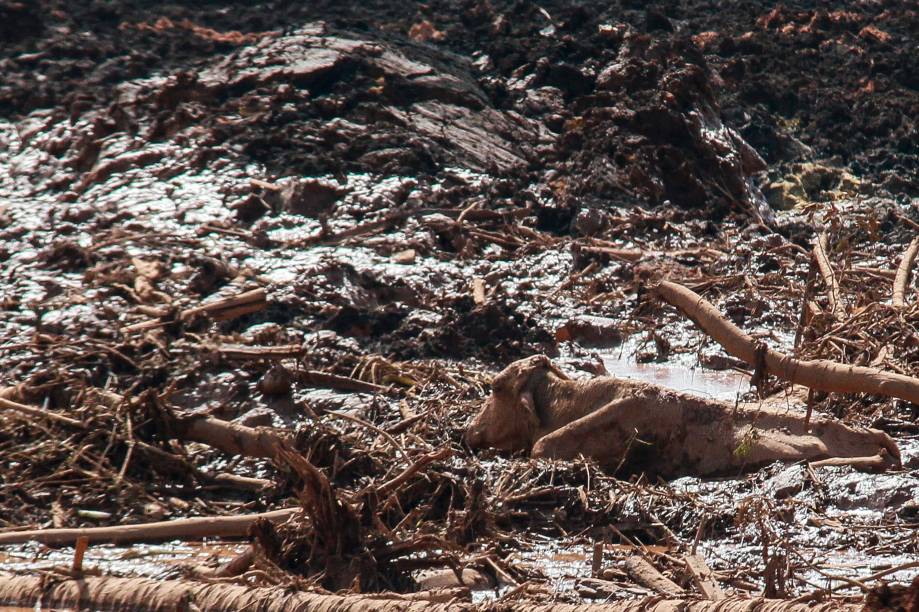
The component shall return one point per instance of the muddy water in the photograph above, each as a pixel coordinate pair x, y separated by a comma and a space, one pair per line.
682, 375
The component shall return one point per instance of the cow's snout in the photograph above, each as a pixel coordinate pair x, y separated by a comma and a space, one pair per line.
475, 434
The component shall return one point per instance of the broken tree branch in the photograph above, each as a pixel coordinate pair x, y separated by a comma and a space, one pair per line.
230, 437
38, 413
187, 529
645, 574
826, 270
817, 374
903, 273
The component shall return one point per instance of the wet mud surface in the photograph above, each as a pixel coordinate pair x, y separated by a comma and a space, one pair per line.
426, 193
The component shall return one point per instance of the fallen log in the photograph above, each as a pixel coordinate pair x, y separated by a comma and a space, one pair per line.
901, 280
819, 374
178, 529
144, 594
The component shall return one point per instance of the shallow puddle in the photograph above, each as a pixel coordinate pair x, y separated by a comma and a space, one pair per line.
681, 375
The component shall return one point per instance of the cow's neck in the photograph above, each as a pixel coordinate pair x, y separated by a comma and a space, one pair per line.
559, 401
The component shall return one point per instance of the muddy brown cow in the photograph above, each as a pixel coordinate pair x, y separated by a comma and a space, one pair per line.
647, 428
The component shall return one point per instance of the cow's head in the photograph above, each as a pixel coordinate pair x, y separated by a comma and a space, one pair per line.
508, 421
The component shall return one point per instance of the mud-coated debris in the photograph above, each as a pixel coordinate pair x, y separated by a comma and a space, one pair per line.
310, 198
67, 255
257, 417
590, 222
787, 482
591, 331
276, 381
211, 274
250, 209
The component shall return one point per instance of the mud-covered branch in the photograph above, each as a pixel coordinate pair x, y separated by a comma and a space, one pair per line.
817, 374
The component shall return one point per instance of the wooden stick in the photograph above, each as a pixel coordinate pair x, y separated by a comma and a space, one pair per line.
334, 381
39, 413
817, 374
243, 352
219, 310
231, 438
903, 273
826, 270
79, 551
185, 529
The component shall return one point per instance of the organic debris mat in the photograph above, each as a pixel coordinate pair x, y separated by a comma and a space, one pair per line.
261, 263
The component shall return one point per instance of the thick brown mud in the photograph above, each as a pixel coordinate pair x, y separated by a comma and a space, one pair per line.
426, 192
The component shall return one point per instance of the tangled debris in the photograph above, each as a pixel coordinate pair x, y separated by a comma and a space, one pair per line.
261, 263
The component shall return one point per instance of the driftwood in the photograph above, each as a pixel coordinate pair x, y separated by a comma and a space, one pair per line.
901, 280
652, 429
818, 374
144, 594
185, 529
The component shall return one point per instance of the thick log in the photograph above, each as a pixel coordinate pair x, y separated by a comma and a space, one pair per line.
144, 594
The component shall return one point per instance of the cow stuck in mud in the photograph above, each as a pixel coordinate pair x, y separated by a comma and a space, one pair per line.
640, 427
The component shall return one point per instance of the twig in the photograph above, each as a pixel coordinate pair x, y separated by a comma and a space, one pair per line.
219, 310
373, 427
397, 481
39, 413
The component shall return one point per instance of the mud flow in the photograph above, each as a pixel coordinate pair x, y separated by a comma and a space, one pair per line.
262, 261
